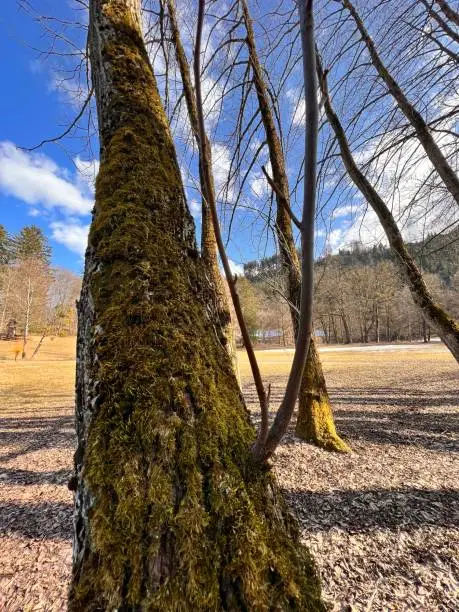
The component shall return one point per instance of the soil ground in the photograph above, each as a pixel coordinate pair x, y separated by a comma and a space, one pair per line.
382, 521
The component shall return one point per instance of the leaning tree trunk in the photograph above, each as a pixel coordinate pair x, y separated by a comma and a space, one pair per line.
170, 512
434, 315
313, 400
433, 151
208, 239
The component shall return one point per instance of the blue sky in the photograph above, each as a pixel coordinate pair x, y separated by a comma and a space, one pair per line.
46, 186
53, 186
32, 109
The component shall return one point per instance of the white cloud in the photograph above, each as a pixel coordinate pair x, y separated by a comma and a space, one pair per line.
195, 209
87, 172
221, 165
211, 101
344, 211
35, 179
298, 105
411, 190
259, 184
72, 234
72, 91
236, 268
334, 238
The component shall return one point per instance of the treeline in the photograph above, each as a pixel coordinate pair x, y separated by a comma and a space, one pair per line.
359, 294
35, 298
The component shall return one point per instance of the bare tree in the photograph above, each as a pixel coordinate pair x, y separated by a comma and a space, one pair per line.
208, 241
450, 13
433, 152
207, 180
29, 292
315, 418
306, 227
432, 312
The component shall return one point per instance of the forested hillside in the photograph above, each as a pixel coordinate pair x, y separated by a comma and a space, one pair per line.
360, 296
437, 254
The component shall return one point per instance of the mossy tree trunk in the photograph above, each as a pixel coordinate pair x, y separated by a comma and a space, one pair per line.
313, 400
170, 513
315, 419
208, 239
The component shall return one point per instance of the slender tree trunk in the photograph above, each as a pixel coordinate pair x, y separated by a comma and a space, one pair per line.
5, 300
377, 323
289, 259
208, 239
170, 512
38, 347
325, 330
388, 338
435, 316
333, 323
347, 331
433, 152
27, 319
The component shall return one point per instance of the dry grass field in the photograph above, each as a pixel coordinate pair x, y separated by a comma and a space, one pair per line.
382, 521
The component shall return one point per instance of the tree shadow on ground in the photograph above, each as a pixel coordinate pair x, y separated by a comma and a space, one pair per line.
26, 477
402, 417
34, 434
392, 396
437, 431
48, 520
358, 511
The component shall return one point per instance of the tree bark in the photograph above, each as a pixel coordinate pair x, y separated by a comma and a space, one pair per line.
434, 315
433, 152
289, 257
347, 331
316, 423
208, 240
170, 512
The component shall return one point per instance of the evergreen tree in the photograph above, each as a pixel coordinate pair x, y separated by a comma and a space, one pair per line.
5, 246
31, 243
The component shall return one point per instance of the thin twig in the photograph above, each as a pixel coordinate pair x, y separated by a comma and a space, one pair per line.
285, 204
67, 131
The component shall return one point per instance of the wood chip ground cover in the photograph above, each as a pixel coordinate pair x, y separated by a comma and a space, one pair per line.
382, 522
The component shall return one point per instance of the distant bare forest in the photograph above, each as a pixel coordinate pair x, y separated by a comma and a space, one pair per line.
360, 295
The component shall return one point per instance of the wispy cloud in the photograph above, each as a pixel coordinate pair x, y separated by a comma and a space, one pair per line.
62, 197
195, 209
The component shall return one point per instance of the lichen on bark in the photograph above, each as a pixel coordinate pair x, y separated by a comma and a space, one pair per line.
170, 513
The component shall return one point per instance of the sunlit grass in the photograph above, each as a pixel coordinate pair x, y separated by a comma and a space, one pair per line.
46, 383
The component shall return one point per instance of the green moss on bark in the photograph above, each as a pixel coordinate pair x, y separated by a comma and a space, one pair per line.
178, 518
315, 421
